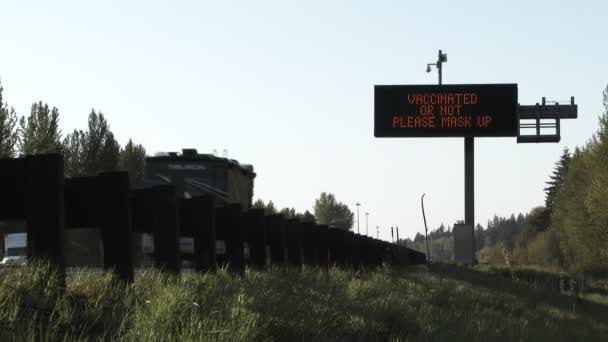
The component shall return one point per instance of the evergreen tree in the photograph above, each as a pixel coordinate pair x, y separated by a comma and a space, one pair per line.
8, 133
259, 204
556, 180
291, 213
602, 133
39, 133
288, 213
270, 209
307, 216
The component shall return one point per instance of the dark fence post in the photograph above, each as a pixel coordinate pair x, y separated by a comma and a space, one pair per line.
361, 244
322, 243
229, 230
367, 251
277, 239
13, 186
398, 255
114, 221
335, 246
197, 218
308, 245
400, 258
375, 253
143, 217
347, 238
45, 209
235, 246
379, 252
166, 233
354, 251
294, 243
255, 236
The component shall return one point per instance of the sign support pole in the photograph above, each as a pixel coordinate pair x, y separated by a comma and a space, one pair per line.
469, 169
469, 186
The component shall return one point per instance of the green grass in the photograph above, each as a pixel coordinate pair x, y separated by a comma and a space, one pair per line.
593, 287
410, 304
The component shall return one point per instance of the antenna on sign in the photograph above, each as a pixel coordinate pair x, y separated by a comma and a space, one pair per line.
225, 153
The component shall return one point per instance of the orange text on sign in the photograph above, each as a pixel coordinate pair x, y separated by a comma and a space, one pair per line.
413, 121
443, 98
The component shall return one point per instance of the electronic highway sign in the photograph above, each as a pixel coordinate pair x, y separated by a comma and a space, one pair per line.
455, 110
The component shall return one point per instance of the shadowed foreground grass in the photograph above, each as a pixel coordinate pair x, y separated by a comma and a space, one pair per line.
410, 304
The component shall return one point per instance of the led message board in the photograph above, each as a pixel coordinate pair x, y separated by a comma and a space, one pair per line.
459, 110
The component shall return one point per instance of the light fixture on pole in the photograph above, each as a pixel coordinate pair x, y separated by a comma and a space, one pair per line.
442, 58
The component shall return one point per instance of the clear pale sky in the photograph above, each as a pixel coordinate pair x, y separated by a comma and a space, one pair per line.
288, 87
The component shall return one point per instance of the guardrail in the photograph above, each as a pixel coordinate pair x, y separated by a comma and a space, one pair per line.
34, 189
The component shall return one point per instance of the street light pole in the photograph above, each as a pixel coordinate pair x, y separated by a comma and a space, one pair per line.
366, 222
377, 232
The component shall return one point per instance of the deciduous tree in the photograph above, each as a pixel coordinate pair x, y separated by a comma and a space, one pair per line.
132, 159
73, 152
92, 151
101, 150
39, 132
331, 212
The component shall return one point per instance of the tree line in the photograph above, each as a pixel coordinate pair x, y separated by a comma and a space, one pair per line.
86, 152
327, 210
95, 149
569, 232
